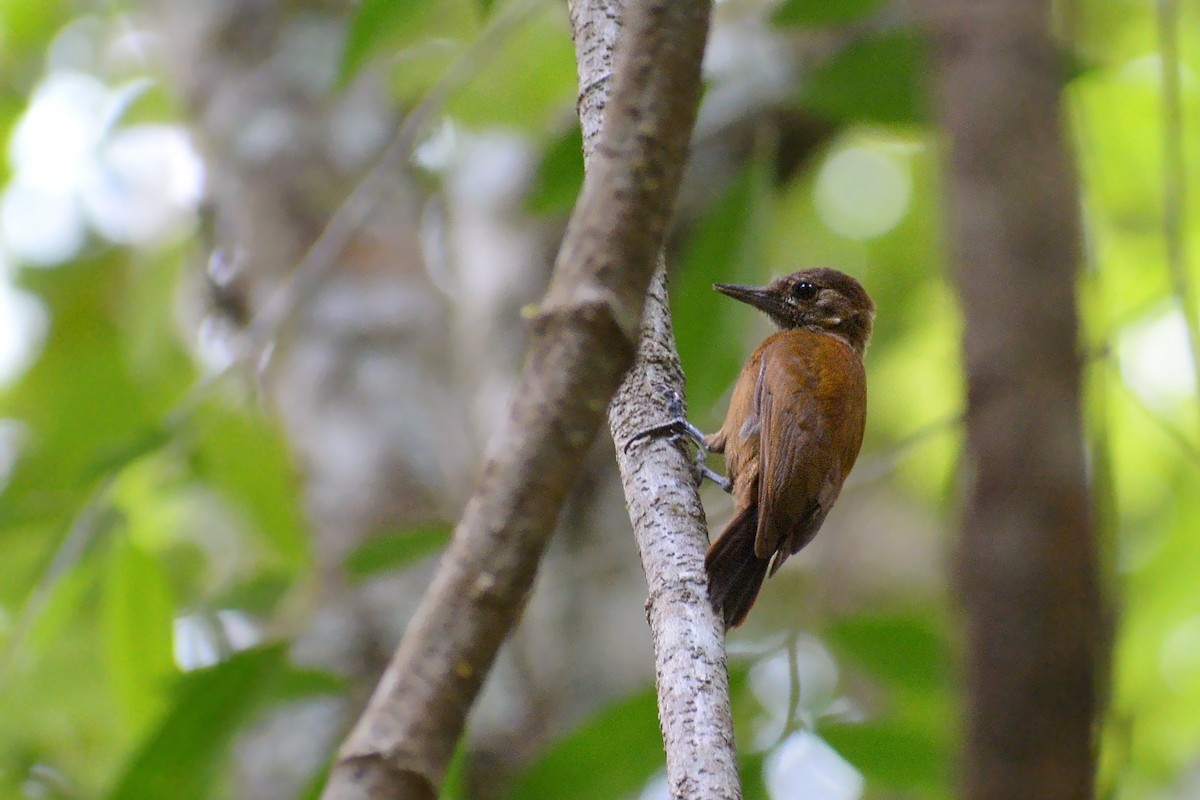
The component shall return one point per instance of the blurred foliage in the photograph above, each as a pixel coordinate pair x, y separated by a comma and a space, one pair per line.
392, 550
818, 12
626, 733
879, 80
134, 527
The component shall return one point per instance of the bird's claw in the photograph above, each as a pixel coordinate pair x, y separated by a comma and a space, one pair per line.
705, 471
676, 428
680, 428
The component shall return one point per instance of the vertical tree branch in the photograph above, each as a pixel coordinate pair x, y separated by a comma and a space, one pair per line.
1028, 561
668, 521
583, 341
664, 505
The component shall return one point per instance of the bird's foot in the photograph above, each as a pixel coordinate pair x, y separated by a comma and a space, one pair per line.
704, 471
679, 429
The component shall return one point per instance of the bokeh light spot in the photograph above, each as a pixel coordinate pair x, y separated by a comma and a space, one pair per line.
805, 767
1155, 358
862, 193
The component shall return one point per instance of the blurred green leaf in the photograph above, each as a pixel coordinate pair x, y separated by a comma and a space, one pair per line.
29, 26
456, 785
243, 455
181, 758
903, 650
559, 175
109, 459
750, 770
298, 684
147, 317
822, 12
581, 766
880, 80
529, 80
393, 550
894, 755
724, 245
79, 402
259, 594
138, 619
377, 23
57, 704
316, 786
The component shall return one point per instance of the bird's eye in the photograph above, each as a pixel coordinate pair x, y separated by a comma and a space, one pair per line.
804, 291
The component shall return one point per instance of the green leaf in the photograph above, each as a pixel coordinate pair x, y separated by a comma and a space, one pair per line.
881, 80
181, 758
79, 402
750, 769
893, 754
298, 684
259, 594
138, 620
903, 650
822, 12
84, 409
243, 455
393, 550
148, 318
723, 246
456, 785
377, 23
530, 79
581, 765
559, 175
30, 26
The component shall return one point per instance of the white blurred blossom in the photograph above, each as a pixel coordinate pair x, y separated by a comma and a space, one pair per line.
75, 169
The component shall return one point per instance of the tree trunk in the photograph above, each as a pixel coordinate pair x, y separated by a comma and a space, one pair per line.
1027, 568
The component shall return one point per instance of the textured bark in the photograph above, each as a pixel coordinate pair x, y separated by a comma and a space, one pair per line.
668, 520
583, 341
1028, 563
664, 505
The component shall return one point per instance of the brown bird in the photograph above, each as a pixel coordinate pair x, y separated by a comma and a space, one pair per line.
793, 430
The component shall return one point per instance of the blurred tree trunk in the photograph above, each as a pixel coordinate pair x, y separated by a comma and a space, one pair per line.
1027, 563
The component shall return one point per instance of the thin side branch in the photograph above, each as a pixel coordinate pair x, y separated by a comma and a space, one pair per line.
582, 343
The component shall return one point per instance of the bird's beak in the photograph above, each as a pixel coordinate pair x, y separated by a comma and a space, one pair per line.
761, 297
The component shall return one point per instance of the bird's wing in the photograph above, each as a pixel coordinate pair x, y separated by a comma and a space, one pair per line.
804, 402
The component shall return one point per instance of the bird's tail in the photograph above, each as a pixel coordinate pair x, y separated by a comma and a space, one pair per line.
735, 574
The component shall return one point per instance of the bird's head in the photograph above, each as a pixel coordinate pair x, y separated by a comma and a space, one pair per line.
819, 299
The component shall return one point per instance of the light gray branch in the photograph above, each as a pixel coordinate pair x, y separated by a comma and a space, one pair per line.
668, 520
583, 340
664, 506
